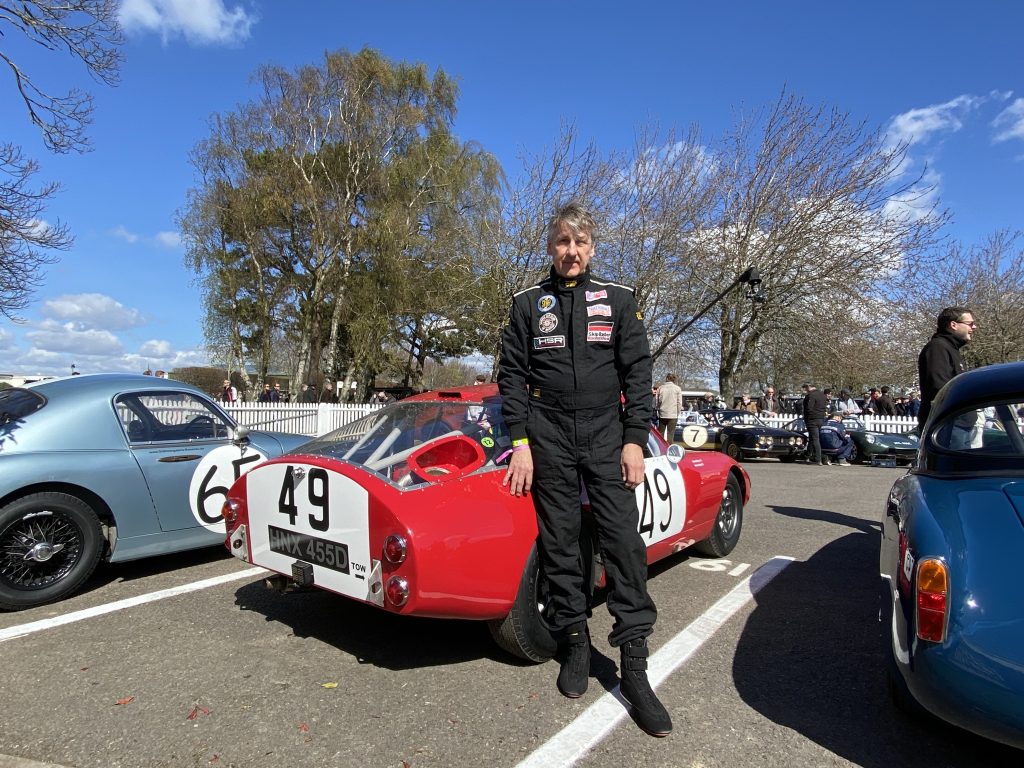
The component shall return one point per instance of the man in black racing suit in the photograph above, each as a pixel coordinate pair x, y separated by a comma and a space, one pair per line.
575, 378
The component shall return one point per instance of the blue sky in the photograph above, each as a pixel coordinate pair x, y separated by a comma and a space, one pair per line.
946, 75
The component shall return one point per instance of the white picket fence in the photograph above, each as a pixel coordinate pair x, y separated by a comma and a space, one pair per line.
313, 419
899, 424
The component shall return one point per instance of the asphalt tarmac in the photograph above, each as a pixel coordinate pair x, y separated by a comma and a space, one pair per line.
771, 657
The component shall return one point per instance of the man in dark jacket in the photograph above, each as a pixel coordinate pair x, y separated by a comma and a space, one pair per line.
886, 407
815, 405
575, 379
940, 359
834, 438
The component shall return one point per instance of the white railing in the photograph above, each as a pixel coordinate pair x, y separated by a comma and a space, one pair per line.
877, 423
313, 419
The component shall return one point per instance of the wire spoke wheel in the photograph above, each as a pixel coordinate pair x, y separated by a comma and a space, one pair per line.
49, 544
39, 549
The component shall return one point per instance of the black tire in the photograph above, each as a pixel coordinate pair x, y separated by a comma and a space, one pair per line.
856, 457
49, 545
523, 632
899, 691
732, 449
725, 533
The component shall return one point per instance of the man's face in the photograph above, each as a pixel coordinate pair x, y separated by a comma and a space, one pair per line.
570, 252
963, 329
769, 391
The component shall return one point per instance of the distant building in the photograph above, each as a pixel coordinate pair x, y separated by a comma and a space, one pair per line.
21, 379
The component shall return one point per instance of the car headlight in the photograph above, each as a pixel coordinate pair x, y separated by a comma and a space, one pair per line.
871, 439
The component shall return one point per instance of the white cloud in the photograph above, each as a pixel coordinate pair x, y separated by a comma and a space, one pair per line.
92, 310
168, 239
920, 125
71, 339
918, 201
39, 227
1010, 122
199, 22
155, 348
122, 232
6, 339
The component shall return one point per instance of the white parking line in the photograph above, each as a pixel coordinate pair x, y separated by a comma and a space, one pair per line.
579, 737
38, 626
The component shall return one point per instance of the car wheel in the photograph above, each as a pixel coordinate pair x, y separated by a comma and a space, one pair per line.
523, 632
49, 545
732, 450
728, 523
856, 457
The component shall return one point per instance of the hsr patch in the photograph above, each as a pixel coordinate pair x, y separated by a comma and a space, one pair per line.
548, 342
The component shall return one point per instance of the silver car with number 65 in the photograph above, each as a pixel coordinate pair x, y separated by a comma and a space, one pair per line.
112, 466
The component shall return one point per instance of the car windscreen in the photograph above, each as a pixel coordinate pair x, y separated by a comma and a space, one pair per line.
16, 404
384, 440
735, 418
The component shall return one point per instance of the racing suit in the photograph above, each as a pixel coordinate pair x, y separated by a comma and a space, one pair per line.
575, 378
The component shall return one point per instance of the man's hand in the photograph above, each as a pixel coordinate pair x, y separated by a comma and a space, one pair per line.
519, 477
632, 463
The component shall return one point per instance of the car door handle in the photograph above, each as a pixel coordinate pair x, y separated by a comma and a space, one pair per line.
181, 457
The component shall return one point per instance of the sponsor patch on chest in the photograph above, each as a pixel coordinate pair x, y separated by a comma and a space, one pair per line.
548, 342
599, 331
547, 323
601, 310
595, 295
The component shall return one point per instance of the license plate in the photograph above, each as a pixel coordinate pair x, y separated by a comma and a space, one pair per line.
327, 554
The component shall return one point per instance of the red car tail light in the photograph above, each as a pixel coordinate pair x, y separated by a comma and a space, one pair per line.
397, 591
932, 600
395, 549
230, 512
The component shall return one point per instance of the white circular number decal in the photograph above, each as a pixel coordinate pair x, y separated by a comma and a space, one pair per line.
694, 435
213, 477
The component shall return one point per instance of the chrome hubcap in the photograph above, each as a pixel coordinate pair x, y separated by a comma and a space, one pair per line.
43, 551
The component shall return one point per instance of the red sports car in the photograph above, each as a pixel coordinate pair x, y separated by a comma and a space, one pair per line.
405, 509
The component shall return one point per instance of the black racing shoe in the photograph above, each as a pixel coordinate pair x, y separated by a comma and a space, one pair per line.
574, 657
649, 713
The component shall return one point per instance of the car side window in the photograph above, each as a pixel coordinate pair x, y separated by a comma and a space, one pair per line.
994, 430
151, 417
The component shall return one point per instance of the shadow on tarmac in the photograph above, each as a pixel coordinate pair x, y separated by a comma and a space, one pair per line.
371, 635
109, 573
811, 658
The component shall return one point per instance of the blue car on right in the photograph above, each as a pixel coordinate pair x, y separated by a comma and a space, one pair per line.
952, 560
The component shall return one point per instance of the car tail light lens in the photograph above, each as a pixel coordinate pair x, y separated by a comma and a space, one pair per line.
932, 600
230, 511
395, 549
397, 591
